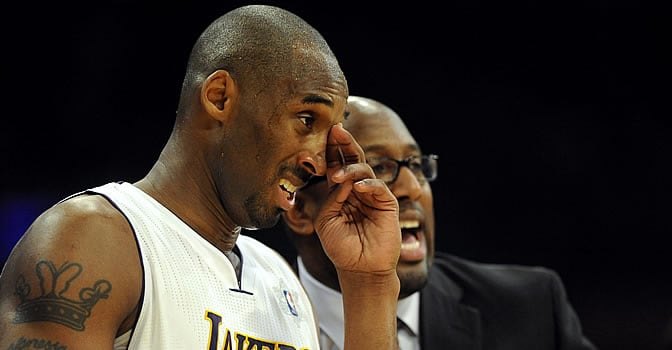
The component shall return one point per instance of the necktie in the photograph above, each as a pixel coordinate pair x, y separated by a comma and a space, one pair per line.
405, 336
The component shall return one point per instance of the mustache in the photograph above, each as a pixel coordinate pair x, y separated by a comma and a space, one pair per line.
300, 172
405, 205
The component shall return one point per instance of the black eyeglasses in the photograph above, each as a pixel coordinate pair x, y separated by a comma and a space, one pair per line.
425, 168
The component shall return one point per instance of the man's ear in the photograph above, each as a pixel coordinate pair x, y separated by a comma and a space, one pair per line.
297, 219
218, 93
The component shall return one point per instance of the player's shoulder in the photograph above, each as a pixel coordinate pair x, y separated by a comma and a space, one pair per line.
78, 213
78, 252
80, 226
498, 273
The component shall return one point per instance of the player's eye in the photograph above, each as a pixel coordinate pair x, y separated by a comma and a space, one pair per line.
307, 120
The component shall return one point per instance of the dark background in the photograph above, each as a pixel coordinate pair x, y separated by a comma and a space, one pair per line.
551, 123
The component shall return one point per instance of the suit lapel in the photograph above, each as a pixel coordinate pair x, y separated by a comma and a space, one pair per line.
445, 323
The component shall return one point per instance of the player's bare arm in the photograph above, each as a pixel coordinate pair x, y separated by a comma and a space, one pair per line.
73, 281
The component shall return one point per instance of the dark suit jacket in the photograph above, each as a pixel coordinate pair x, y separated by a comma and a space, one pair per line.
471, 305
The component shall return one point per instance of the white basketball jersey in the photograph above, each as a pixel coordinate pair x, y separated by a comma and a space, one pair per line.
192, 298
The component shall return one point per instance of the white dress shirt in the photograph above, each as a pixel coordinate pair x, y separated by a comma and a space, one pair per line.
328, 305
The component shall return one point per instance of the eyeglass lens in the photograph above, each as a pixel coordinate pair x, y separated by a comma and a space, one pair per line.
424, 168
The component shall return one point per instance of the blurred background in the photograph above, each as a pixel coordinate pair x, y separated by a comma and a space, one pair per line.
552, 125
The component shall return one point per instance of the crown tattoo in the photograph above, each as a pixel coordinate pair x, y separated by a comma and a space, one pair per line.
51, 305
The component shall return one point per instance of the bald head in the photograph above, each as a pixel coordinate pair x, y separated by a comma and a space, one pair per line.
257, 44
368, 117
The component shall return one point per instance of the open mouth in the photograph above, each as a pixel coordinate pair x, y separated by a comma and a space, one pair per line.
409, 234
288, 188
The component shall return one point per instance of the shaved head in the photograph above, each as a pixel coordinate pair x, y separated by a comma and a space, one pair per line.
253, 77
261, 43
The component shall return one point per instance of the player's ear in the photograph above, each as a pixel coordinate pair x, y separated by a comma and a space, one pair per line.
298, 217
218, 93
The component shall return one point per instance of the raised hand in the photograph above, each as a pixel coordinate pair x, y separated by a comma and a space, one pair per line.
359, 223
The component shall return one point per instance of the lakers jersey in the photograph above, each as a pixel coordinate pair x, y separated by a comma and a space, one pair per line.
191, 297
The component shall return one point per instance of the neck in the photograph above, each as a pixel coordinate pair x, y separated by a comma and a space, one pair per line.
191, 199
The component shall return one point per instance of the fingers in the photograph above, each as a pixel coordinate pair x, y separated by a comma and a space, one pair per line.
352, 172
345, 157
372, 193
348, 174
372, 186
376, 194
342, 149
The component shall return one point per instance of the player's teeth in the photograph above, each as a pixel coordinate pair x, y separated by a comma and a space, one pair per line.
287, 185
412, 245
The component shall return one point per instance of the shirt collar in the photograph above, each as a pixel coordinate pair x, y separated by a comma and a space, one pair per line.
328, 305
408, 310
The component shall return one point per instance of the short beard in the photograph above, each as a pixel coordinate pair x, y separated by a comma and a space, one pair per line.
411, 282
261, 216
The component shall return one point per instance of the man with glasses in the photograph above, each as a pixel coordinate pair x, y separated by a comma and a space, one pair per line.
160, 262
445, 302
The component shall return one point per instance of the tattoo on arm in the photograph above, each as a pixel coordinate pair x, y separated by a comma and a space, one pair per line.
51, 305
35, 343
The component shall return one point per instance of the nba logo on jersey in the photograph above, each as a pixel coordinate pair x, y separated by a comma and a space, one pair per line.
290, 302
